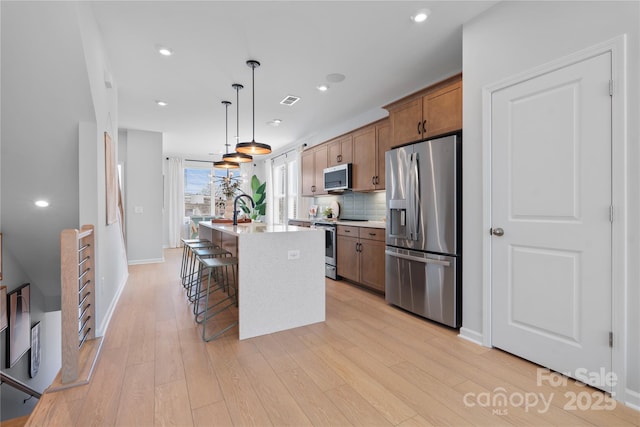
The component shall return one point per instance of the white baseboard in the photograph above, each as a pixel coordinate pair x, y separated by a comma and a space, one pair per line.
473, 336
107, 318
146, 261
632, 399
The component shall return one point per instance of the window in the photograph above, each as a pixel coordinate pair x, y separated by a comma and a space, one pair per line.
197, 191
284, 170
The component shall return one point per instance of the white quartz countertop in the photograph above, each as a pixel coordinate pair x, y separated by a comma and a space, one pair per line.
370, 224
254, 228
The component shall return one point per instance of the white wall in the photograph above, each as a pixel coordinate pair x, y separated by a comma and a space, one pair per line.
111, 266
513, 37
144, 195
45, 93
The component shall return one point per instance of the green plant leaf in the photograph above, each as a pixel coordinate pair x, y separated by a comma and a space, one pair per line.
261, 188
255, 184
259, 198
262, 209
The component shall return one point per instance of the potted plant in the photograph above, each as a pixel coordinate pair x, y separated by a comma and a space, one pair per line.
328, 212
259, 197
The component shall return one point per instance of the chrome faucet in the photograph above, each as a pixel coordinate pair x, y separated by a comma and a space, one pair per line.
235, 206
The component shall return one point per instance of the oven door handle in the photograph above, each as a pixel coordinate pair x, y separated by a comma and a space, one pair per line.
419, 259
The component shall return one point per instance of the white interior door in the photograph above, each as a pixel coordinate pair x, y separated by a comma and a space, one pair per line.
551, 198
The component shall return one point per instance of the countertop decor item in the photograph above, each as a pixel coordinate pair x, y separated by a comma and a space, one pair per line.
253, 147
328, 212
335, 209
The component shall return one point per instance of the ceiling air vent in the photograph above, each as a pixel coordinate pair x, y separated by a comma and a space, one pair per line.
290, 100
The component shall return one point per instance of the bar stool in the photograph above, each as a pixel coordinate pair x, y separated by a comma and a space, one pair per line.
196, 277
226, 269
191, 260
185, 253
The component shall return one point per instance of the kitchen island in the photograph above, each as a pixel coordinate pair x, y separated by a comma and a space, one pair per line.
281, 282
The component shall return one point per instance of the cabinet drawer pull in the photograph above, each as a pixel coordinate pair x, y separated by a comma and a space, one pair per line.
347, 231
373, 234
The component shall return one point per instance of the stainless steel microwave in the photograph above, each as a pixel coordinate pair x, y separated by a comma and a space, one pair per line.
337, 177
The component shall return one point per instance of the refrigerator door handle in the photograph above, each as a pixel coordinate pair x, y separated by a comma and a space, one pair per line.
415, 197
409, 180
419, 259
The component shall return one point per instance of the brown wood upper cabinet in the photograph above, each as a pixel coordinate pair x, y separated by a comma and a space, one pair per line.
369, 146
433, 111
314, 161
340, 150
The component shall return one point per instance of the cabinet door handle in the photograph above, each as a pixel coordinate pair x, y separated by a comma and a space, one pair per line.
339, 158
358, 247
424, 126
419, 130
313, 188
373, 180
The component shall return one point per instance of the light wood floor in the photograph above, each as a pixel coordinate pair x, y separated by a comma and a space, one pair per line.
369, 364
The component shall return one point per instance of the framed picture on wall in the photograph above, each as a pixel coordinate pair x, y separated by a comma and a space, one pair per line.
0, 256
111, 181
34, 361
19, 331
4, 320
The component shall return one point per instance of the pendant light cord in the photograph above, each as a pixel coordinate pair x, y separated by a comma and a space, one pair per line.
226, 126
253, 100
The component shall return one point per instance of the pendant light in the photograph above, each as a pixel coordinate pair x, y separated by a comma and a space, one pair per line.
253, 147
226, 164
237, 157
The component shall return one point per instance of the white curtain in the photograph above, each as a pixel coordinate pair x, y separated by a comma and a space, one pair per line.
176, 200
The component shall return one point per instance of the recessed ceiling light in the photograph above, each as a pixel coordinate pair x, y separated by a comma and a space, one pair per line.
41, 203
162, 103
274, 122
322, 87
421, 15
335, 77
164, 51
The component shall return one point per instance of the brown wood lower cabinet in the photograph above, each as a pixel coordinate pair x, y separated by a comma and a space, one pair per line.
361, 256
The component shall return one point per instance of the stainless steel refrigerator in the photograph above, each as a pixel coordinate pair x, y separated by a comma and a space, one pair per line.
424, 239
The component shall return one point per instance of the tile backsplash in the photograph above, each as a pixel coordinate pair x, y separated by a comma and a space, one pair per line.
370, 206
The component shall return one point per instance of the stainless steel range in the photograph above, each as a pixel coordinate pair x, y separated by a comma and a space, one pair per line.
330, 246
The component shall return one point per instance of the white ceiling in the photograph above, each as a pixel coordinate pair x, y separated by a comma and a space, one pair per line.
382, 53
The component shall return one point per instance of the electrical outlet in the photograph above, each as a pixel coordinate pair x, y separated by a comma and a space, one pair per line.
295, 254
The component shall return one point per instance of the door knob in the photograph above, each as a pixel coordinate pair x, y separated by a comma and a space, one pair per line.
497, 232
